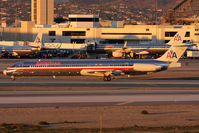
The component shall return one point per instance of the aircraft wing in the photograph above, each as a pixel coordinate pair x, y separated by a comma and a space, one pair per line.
141, 52
102, 73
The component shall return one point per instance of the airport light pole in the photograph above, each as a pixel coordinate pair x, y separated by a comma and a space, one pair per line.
1, 18
2, 28
156, 15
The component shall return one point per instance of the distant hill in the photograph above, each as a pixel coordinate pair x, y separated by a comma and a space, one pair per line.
138, 10
162, 4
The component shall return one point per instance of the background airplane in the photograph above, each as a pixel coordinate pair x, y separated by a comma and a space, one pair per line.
17, 51
131, 50
22, 51
104, 68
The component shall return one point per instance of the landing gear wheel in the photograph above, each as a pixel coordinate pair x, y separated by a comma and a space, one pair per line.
105, 79
108, 78
13, 78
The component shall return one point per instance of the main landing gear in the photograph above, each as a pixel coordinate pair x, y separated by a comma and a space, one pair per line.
107, 78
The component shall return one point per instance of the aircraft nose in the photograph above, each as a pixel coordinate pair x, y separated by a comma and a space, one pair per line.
4, 72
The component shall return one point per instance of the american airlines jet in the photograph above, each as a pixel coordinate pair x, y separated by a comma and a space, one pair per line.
19, 51
104, 68
121, 50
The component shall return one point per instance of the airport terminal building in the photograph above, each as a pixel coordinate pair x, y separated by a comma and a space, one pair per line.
90, 29
84, 29
81, 29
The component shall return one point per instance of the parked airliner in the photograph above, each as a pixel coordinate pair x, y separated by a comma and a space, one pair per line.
131, 50
19, 51
104, 68
121, 50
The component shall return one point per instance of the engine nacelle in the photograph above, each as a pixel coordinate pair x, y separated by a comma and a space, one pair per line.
146, 67
117, 54
118, 73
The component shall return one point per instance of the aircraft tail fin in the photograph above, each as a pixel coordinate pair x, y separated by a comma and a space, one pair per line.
178, 38
174, 53
38, 38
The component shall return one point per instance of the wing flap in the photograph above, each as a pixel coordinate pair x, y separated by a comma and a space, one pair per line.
101, 72
140, 52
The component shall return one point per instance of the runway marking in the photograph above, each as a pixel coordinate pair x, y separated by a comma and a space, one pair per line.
124, 103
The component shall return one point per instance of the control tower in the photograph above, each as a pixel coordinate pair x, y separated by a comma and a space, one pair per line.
42, 11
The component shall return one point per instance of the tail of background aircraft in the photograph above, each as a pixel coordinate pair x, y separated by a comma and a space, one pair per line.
38, 38
124, 47
38, 41
178, 38
174, 53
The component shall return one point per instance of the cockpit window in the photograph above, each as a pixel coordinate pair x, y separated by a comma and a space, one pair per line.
14, 65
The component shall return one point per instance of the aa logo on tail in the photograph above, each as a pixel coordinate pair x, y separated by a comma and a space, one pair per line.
171, 54
37, 40
177, 38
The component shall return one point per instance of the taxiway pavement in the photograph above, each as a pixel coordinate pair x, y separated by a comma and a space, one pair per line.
98, 98
49, 82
